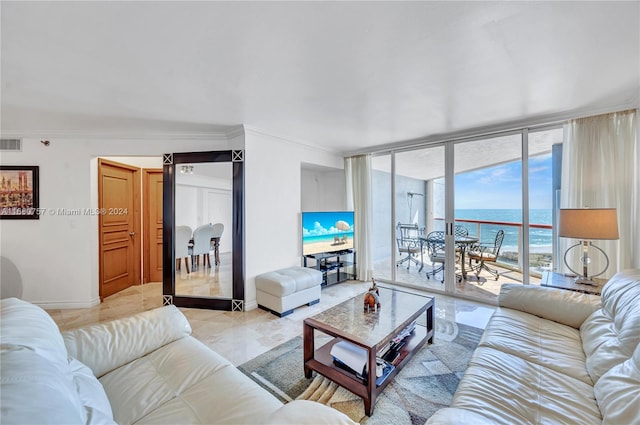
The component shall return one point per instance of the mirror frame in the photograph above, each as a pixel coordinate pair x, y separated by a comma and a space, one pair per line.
170, 160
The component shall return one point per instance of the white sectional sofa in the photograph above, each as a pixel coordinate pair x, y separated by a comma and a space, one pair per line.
148, 368
550, 356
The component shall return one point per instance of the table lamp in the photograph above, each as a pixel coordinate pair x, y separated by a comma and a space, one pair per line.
587, 224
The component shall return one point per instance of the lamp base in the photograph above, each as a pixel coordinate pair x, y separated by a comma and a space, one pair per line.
581, 280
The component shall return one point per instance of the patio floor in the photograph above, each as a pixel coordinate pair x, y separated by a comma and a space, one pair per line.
485, 287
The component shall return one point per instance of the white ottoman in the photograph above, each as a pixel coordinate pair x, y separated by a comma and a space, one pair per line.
283, 290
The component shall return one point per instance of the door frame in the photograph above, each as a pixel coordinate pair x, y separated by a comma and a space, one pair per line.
136, 223
146, 236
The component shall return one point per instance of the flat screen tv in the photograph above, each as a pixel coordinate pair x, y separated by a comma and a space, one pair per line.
326, 231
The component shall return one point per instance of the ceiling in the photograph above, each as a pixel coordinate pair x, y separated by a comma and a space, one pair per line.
345, 76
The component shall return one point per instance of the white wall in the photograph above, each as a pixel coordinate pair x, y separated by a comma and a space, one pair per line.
57, 255
272, 197
322, 190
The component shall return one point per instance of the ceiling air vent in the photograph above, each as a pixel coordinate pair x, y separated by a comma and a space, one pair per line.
11, 145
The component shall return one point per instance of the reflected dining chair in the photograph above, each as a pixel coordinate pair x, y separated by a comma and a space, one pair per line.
407, 238
202, 245
183, 236
484, 253
218, 228
436, 253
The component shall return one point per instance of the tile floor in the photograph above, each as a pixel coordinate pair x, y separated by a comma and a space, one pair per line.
241, 336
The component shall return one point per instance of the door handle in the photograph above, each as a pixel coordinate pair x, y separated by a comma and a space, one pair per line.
132, 234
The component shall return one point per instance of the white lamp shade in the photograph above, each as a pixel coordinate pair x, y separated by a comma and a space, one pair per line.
588, 223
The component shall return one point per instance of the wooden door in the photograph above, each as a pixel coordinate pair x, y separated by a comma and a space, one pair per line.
118, 226
152, 218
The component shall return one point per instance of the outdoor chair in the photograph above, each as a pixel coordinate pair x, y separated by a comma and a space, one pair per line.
484, 253
407, 238
436, 253
460, 232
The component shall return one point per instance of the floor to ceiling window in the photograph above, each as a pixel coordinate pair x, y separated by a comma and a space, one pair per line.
545, 158
419, 205
488, 205
500, 223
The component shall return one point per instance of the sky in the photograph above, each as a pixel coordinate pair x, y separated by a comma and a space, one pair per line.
500, 187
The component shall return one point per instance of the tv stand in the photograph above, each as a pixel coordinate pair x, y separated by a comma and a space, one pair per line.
336, 267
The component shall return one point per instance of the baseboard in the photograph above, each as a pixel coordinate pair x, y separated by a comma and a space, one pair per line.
56, 305
250, 305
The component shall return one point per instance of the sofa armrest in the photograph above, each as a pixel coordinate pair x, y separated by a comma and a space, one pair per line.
107, 346
562, 306
305, 412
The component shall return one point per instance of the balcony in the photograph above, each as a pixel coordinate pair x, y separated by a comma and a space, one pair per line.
509, 263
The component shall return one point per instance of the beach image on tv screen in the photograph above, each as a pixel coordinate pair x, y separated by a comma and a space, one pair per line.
326, 231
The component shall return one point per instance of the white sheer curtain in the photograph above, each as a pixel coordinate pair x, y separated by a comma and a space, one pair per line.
600, 170
358, 188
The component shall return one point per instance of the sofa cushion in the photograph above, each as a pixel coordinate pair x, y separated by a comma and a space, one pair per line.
566, 307
508, 389
610, 335
537, 340
107, 346
36, 390
618, 392
26, 325
91, 394
185, 382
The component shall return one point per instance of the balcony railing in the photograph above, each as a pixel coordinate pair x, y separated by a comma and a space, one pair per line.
510, 256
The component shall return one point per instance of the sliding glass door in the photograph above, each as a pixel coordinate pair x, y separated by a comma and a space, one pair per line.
419, 198
463, 217
382, 216
545, 159
488, 209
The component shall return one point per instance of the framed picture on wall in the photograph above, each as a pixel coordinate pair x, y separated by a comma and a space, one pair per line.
19, 192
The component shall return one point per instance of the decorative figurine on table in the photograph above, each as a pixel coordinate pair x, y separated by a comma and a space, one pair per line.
372, 298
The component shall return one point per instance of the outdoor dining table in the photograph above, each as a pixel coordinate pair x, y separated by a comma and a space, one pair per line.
462, 242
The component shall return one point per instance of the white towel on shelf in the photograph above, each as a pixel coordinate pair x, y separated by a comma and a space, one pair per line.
351, 355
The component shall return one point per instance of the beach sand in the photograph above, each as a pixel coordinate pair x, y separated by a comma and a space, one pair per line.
329, 246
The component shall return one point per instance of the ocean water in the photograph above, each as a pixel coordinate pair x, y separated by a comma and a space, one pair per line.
510, 220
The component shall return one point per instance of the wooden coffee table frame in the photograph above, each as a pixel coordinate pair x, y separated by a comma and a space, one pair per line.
321, 361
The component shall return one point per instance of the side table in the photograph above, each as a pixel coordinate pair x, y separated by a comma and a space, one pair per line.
559, 280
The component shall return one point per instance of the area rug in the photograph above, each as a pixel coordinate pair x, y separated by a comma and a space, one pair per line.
426, 384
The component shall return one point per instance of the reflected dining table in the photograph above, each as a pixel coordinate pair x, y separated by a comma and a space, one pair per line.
462, 244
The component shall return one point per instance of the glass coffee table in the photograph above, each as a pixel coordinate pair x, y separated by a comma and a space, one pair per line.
373, 331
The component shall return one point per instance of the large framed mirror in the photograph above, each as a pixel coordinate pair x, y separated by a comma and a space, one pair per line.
203, 229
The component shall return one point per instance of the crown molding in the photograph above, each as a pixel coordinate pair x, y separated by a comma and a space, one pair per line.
123, 135
235, 131
312, 145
